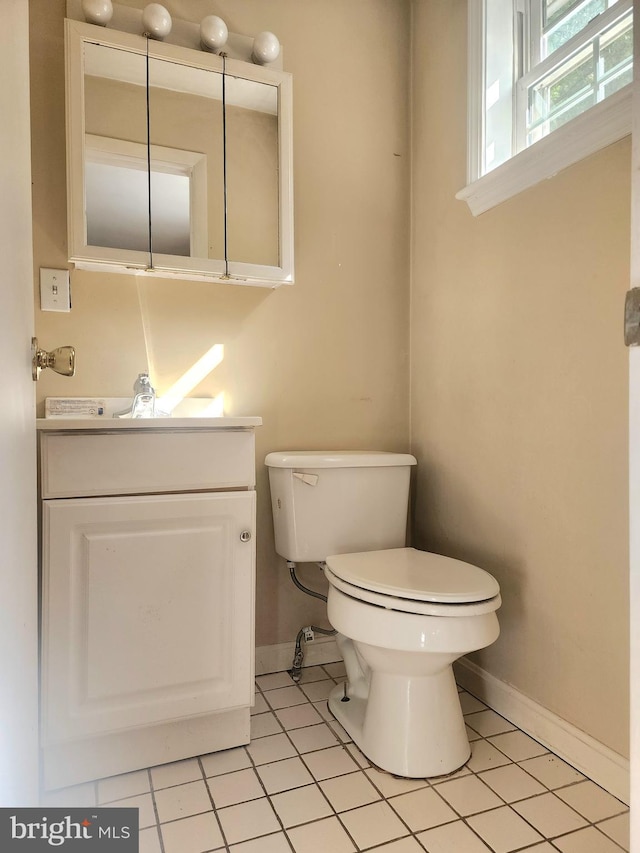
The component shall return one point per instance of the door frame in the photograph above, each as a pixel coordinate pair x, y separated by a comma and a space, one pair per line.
18, 506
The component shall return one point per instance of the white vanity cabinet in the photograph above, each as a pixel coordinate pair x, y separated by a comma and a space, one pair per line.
148, 565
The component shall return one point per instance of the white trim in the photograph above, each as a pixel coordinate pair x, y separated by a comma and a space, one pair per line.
599, 763
475, 89
602, 125
278, 658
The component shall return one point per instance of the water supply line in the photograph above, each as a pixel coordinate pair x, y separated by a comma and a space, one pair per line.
307, 632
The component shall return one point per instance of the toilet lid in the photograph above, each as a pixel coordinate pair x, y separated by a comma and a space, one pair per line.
415, 575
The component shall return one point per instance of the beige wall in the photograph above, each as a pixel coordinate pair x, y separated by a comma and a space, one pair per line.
325, 362
519, 400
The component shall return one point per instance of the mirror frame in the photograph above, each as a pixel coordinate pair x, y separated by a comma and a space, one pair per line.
101, 258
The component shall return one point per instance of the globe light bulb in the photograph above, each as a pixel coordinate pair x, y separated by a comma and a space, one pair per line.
97, 12
213, 33
266, 48
156, 21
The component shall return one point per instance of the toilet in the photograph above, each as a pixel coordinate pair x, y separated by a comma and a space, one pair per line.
402, 616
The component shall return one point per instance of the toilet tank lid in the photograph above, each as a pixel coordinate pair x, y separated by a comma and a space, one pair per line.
337, 459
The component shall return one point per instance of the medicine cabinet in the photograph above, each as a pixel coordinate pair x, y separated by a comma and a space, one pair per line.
179, 161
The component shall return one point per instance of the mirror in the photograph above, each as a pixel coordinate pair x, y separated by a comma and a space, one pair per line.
179, 162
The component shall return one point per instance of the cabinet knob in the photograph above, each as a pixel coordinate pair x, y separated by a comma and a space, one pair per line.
245, 536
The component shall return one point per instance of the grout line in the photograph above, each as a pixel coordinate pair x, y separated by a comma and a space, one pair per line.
213, 805
155, 811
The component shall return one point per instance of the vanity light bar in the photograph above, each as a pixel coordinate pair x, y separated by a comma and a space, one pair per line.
211, 34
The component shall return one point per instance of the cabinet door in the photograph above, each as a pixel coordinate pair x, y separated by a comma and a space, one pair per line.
148, 610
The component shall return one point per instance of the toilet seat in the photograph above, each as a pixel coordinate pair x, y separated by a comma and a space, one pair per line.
414, 582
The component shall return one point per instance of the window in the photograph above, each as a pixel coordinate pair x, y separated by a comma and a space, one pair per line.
552, 74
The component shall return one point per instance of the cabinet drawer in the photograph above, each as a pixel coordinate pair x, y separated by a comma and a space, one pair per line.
141, 462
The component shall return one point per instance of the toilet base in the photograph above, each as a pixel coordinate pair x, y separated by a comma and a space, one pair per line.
423, 738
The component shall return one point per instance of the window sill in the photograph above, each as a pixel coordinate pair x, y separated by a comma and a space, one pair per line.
602, 125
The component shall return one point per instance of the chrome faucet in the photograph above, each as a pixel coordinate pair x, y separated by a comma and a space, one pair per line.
144, 399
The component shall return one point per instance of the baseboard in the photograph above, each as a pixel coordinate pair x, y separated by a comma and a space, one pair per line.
279, 658
601, 764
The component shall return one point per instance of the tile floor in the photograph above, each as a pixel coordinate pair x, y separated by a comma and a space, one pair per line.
301, 785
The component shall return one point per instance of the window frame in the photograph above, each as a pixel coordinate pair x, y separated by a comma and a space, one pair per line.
602, 124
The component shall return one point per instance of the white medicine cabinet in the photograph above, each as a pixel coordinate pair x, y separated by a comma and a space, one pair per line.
179, 161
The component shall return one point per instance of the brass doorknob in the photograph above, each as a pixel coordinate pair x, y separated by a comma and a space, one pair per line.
62, 360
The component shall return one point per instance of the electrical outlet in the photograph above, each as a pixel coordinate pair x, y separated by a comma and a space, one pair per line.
55, 290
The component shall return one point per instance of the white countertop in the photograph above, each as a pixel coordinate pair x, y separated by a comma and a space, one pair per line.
81, 413
117, 424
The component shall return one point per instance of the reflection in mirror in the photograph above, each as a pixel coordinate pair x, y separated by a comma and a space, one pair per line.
117, 190
252, 171
115, 109
185, 116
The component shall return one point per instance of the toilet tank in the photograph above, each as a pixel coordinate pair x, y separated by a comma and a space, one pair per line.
338, 502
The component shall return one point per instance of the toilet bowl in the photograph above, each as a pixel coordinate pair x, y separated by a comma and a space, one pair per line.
403, 617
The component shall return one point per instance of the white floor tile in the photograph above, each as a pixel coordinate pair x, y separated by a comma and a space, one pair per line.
263, 725
373, 824
310, 738
471, 735
470, 704
127, 785
298, 716
312, 770
591, 801
226, 761
149, 841
390, 785
192, 834
182, 801
272, 748
452, 838
350, 791
617, 828
318, 691
512, 783
248, 820
469, 795
485, 756
335, 670
503, 830
301, 806
267, 844
359, 757
284, 775
551, 771
488, 723
312, 673
324, 835
260, 705
549, 815
340, 733
274, 680
404, 845
588, 840
330, 762
422, 809
285, 697
517, 745
235, 788
323, 710
176, 773
144, 804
